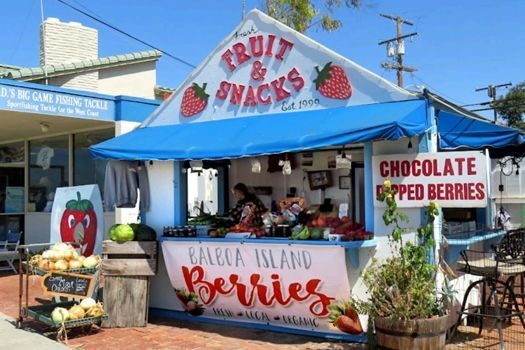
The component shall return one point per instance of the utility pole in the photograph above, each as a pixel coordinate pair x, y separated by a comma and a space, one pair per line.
399, 50
491, 92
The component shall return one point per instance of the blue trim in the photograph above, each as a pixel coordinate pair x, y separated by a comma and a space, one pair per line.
118, 107
352, 244
137, 99
456, 245
369, 186
134, 109
252, 325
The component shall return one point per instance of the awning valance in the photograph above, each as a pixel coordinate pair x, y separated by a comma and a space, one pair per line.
269, 134
458, 132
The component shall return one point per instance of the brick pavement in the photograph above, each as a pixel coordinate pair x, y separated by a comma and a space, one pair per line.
163, 333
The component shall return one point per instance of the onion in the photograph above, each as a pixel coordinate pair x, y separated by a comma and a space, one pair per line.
48, 254
75, 264
81, 258
76, 312
87, 303
68, 255
61, 246
59, 315
90, 262
59, 255
44, 264
51, 266
61, 265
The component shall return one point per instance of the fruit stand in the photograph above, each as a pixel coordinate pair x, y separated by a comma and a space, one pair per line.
273, 92
63, 273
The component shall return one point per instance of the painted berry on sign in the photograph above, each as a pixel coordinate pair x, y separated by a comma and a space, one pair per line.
194, 100
332, 82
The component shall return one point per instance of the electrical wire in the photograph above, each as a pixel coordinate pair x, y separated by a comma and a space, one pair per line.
436, 90
99, 20
22, 32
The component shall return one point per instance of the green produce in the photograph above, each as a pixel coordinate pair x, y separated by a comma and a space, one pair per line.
112, 231
203, 219
297, 229
302, 235
123, 233
316, 233
59, 315
143, 232
222, 231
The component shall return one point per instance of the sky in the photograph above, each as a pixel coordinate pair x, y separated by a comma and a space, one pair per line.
461, 46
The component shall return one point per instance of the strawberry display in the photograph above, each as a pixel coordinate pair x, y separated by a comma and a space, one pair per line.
332, 82
194, 100
190, 302
259, 232
345, 318
78, 225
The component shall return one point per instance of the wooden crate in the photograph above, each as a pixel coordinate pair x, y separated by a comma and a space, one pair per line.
127, 267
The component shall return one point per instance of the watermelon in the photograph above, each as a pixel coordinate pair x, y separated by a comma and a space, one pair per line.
144, 232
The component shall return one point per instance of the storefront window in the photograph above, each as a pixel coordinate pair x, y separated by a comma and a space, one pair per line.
48, 169
86, 170
12, 153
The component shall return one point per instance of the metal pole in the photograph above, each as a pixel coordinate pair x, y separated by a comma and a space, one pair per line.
399, 56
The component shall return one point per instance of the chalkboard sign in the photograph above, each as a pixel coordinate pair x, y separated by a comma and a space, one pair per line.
70, 285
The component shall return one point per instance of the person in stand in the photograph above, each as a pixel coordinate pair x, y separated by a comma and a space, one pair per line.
249, 209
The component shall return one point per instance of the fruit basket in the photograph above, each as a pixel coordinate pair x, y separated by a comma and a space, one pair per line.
35, 270
42, 313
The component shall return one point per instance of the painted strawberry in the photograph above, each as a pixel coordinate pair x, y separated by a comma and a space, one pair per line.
194, 100
332, 82
79, 225
345, 318
347, 325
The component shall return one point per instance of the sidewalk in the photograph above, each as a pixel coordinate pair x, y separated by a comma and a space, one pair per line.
23, 339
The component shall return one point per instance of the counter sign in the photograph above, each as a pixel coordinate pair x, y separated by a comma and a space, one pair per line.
456, 179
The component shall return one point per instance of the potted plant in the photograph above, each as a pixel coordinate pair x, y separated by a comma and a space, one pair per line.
404, 304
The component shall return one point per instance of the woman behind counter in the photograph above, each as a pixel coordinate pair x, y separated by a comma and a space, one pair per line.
248, 203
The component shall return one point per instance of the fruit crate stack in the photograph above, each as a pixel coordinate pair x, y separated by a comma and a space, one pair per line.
127, 268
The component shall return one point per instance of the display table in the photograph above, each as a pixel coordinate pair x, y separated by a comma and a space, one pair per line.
454, 244
352, 247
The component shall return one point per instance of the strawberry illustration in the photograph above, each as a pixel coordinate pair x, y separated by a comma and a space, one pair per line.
332, 82
194, 100
345, 318
346, 324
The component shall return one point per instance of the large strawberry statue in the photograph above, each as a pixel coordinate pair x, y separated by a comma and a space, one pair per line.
194, 100
332, 82
79, 225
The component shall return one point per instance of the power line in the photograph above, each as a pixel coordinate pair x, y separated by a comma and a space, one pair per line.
413, 75
99, 20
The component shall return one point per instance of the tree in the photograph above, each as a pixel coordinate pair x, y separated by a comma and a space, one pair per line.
303, 14
511, 107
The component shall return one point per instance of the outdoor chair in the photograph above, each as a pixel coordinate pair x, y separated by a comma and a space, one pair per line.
512, 247
497, 270
9, 251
